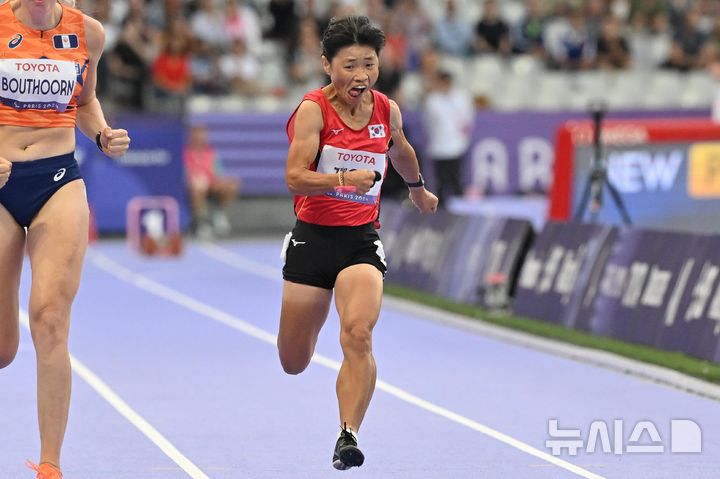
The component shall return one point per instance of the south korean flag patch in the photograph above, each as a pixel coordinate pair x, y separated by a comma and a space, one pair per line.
377, 131
66, 41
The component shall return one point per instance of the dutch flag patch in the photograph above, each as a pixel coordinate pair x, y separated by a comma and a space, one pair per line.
65, 41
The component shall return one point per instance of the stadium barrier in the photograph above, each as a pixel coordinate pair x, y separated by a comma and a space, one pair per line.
470, 259
655, 288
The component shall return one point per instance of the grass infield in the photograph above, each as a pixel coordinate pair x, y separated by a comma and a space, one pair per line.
678, 361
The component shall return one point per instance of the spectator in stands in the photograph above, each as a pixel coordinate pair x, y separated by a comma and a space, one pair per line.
376, 11
205, 180
305, 70
448, 116
613, 52
171, 74
241, 69
492, 34
242, 23
101, 13
208, 24
415, 27
528, 36
205, 69
130, 61
390, 75
570, 45
453, 32
594, 12
285, 21
687, 43
643, 13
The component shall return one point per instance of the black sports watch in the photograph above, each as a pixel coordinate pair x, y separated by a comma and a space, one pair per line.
420, 182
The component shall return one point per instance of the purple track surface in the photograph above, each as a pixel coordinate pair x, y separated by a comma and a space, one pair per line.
166, 336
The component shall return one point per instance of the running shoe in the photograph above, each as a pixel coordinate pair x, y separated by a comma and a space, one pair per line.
45, 470
347, 454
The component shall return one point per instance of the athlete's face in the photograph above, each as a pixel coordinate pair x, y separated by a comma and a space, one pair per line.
353, 71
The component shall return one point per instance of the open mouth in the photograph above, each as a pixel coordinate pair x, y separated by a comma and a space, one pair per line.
356, 91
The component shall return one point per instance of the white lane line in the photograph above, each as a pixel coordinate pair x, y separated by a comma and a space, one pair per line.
107, 264
128, 412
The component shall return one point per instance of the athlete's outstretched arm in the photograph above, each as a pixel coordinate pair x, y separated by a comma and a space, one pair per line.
90, 117
405, 161
300, 179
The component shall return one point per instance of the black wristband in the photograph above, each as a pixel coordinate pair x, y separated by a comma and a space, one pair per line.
98, 143
420, 182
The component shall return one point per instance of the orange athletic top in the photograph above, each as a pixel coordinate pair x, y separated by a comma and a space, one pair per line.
41, 72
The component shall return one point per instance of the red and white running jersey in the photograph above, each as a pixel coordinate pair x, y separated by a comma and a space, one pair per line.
345, 149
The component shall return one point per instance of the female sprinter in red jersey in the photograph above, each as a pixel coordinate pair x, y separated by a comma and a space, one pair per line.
48, 58
340, 141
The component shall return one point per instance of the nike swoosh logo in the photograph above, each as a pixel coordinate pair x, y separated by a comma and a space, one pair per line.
295, 243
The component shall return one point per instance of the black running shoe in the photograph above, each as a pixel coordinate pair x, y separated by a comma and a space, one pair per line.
347, 454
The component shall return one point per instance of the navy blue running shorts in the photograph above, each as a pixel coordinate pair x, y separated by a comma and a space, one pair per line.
32, 183
315, 255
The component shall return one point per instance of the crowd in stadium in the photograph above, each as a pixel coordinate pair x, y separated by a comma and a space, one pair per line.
272, 47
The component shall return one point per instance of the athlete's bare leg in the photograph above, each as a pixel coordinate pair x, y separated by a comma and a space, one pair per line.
358, 296
12, 249
57, 240
304, 311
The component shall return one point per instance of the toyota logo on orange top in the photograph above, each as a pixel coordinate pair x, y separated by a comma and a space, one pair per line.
15, 40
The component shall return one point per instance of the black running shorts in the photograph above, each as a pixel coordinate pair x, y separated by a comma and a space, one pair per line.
315, 255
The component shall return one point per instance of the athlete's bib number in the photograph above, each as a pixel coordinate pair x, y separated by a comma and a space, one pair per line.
333, 160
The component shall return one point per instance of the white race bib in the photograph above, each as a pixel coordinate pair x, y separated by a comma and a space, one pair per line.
333, 160
37, 84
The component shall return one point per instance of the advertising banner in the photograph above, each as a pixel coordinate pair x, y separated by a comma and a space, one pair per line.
663, 185
152, 167
647, 287
470, 259
661, 289
561, 270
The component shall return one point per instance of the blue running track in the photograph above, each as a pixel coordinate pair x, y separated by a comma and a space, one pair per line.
176, 376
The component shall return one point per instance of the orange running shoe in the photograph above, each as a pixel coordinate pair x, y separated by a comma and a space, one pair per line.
45, 470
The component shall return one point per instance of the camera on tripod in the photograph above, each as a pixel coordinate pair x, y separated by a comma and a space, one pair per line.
597, 179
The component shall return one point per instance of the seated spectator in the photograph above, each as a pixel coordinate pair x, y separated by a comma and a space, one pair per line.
529, 35
453, 33
208, 24
492, 34
205, 180
412, 23
390, 76
242, 23
130, 60
171, 73
570, 45
613, 52
643, 13
205, 69
690, 39
305, 69
241, 69
285, 21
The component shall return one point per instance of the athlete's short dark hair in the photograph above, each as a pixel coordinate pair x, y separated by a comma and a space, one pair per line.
351, 30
